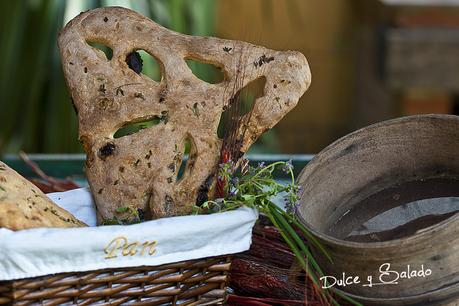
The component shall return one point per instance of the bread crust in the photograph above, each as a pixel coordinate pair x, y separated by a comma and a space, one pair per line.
24, 206
140, 170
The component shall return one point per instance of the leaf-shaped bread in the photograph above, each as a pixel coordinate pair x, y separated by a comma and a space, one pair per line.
140, 170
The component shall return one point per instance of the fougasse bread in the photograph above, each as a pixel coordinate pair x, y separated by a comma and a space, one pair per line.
24, 206
140, 170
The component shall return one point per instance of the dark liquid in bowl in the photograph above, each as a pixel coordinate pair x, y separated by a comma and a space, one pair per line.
399, 211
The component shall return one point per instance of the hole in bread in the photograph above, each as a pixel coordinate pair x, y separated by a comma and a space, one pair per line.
97, 47
241, 103
138, 125
151, 66
207, 72
143, 62
184, 159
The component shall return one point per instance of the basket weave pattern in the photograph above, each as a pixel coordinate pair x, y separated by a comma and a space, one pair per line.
195, 282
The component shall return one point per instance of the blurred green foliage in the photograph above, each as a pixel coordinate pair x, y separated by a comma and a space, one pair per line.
35, 112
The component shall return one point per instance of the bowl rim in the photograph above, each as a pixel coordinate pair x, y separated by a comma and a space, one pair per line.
422, 233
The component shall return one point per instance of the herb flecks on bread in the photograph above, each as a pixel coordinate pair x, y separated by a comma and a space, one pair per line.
140, 170
24, 206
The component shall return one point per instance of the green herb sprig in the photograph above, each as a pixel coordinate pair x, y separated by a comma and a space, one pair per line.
131, 216
256, 187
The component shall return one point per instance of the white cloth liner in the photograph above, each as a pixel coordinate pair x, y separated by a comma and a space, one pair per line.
43, 251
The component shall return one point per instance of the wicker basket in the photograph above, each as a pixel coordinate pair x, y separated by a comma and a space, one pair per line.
195, 282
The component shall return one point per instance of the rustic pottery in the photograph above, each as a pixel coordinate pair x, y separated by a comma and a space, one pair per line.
423, 267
